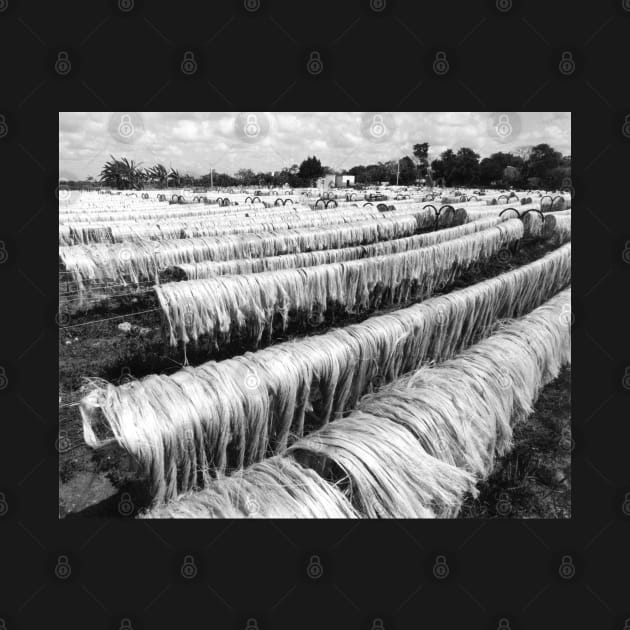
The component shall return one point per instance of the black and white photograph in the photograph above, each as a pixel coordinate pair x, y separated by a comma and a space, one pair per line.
315, 315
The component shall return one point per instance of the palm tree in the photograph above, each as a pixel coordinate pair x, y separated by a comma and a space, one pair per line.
121, 174
174, 176
159, 175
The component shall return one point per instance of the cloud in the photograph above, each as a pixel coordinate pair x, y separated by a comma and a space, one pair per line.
193, 142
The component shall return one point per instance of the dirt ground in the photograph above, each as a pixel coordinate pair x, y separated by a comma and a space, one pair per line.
533, 481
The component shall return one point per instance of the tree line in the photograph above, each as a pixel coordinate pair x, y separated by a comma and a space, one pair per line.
539, 166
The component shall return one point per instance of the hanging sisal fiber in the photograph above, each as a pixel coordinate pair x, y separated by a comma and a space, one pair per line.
140, 261
245, 306
208, 269
415, 448
184, 428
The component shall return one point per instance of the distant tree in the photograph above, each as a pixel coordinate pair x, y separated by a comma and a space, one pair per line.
466, 171
492, 170
511, 175
246, 177
310, 170
541, 162
157, 175
175, 177
421, 153
123, 174
443, 167
408, 172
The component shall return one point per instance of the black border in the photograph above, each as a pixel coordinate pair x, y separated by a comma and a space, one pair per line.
131, 569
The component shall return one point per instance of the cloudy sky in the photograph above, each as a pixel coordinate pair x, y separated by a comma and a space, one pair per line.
194, 142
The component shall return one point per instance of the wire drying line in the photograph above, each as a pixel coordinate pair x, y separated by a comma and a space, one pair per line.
107, 319
107, 297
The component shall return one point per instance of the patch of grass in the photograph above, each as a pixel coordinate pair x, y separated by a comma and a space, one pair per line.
534, 479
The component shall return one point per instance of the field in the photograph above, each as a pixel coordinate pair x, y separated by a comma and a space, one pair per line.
208, 295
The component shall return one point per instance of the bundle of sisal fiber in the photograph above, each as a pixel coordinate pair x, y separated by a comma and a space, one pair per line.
185, 428
415, 448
